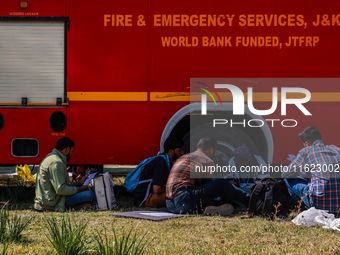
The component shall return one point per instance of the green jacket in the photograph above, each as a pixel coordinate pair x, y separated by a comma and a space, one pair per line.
52, 184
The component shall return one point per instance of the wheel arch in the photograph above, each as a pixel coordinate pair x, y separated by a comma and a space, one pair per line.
179, 124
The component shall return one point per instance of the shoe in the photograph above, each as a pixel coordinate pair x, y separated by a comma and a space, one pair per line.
222, 210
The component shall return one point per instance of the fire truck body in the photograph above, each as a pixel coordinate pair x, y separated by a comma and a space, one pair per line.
92, 70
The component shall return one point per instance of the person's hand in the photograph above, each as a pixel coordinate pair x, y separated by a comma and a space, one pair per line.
233, 182
84, 187
83, 179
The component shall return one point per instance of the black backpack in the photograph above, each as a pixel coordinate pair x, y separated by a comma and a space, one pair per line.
266, 194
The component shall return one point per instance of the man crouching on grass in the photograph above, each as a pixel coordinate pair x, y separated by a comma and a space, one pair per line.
53, 191
150, 192
186, 194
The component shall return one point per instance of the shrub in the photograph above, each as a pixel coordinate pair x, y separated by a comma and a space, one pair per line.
127, 244
67, 238
11, 226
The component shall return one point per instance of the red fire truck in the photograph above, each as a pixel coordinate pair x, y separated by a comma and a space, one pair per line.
115, 75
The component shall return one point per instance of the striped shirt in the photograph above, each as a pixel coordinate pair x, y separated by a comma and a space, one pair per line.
322, 162
179, 178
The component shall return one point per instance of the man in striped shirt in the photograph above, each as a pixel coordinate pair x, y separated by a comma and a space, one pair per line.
321, 162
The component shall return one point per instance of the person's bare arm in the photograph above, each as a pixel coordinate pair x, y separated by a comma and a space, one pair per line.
158, 189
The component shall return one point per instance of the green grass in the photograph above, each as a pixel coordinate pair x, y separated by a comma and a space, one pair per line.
188, 235
191, 235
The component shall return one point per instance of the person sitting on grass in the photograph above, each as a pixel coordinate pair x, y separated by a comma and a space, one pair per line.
320, 161
244, 157
151, 191
53, 190
186, 194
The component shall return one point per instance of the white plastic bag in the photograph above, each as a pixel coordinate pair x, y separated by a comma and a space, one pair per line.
328, 223
313, 217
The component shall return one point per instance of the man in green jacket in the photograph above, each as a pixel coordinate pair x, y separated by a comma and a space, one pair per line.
53, 190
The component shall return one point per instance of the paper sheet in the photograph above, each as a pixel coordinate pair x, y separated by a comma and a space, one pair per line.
158, 214
89, 178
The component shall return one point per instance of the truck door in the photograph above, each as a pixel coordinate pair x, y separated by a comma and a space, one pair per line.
32, 62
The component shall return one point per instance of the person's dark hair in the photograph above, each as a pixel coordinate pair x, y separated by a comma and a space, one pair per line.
206, 143
63, 143
172, 142
310, 134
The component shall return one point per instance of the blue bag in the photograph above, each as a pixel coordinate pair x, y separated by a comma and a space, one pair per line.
132, 179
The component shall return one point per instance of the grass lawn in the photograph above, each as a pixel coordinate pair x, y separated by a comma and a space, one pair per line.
188, 235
